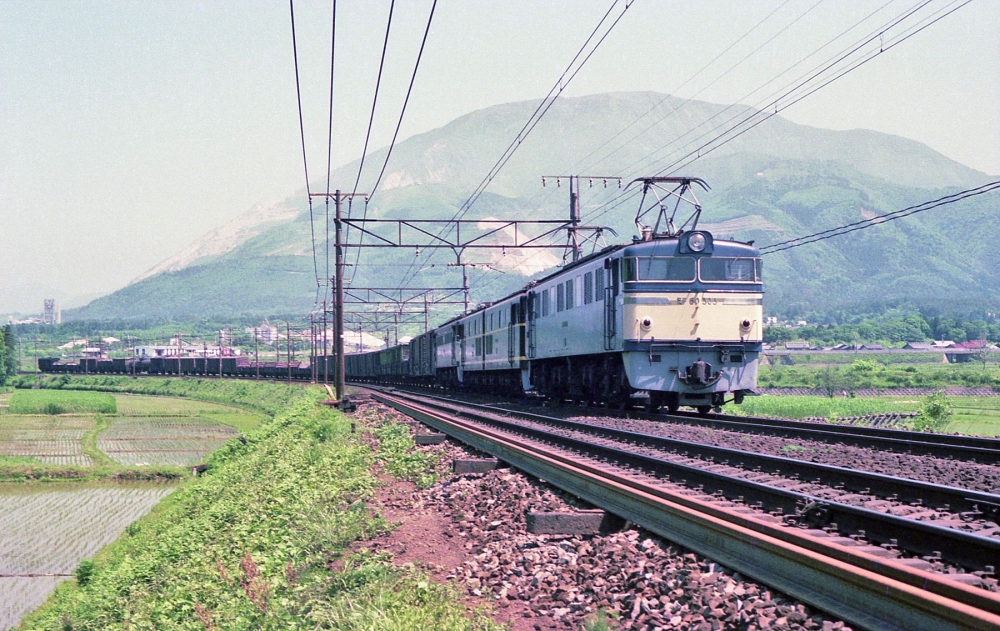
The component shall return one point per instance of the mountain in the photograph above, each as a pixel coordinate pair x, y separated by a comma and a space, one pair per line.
778, 181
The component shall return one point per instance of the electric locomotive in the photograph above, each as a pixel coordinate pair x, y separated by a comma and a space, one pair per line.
672, 319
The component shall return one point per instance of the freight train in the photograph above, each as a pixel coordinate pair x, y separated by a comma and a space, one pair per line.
667, 320
230, 367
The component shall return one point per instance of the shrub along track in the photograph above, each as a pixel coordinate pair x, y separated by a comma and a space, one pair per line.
841, 575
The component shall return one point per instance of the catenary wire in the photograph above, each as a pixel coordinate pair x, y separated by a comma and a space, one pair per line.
880, 219
302, 135
561, 83
395, 134
699, 152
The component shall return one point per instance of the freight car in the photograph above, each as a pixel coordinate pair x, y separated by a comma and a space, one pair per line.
231, 367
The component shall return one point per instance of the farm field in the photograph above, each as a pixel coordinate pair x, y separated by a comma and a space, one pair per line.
54, 402
163, 440
54, 440
50, 530
145, 430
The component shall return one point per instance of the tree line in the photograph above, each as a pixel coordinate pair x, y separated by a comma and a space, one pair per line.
914, 328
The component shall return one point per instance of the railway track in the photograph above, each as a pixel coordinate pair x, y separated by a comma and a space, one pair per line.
973, 448
949, 446
736, 521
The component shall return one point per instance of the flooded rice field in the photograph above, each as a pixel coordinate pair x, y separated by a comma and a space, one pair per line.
163, 441
46, 530
56, 440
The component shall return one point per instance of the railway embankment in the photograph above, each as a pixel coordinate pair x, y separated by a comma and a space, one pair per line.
272, 536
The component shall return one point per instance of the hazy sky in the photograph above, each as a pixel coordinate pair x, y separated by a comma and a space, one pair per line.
129, 129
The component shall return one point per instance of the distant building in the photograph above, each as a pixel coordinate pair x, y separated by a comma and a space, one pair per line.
51, 313
872, 347
919, 346
797, 346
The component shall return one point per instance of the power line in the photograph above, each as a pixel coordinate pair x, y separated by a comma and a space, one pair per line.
543, 107
405, 102
302, 135
378, 82
775, 104
399, 124
880, 219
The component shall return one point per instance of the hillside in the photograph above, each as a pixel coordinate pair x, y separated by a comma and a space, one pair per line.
779, 181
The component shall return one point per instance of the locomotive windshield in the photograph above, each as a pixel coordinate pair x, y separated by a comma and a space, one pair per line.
660, 268
724, 269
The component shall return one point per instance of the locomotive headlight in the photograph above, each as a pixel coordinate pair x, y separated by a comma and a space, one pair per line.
696, 242
645, 324
745, 327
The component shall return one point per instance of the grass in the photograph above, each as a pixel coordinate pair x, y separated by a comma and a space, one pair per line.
869, 373
262, 397
251, 544
52, 403
825, 407
978, 416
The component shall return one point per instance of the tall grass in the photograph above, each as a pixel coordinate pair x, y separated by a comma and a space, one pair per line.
824, 407
48, 402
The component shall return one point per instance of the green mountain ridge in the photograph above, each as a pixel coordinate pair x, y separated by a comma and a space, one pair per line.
792, 179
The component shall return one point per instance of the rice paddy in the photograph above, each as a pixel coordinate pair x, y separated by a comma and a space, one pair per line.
145, 431
49, 531
163, 441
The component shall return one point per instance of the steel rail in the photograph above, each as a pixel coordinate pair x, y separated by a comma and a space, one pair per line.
975, 448
905, 490
948, 446
920, 538
865, 590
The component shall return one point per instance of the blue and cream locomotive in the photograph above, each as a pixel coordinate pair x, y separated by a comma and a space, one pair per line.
672, 319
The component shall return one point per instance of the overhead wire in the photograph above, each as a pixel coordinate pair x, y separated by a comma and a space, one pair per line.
378, 83
395, 134
625, 196
777, 105
880, 219
767, 111
543, 107
302, 135
371, 120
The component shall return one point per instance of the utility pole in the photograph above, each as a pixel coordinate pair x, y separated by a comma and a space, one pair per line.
326, 345
573, 245
426, 315
288, 348
338, 333
256, 352
38, 371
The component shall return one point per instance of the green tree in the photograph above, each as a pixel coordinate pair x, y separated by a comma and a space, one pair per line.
3, 358
8, 358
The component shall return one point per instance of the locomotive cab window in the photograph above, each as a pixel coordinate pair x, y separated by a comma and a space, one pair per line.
733, 270
653, 268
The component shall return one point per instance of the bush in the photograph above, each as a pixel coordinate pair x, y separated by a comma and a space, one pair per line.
83, 572
935, 411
